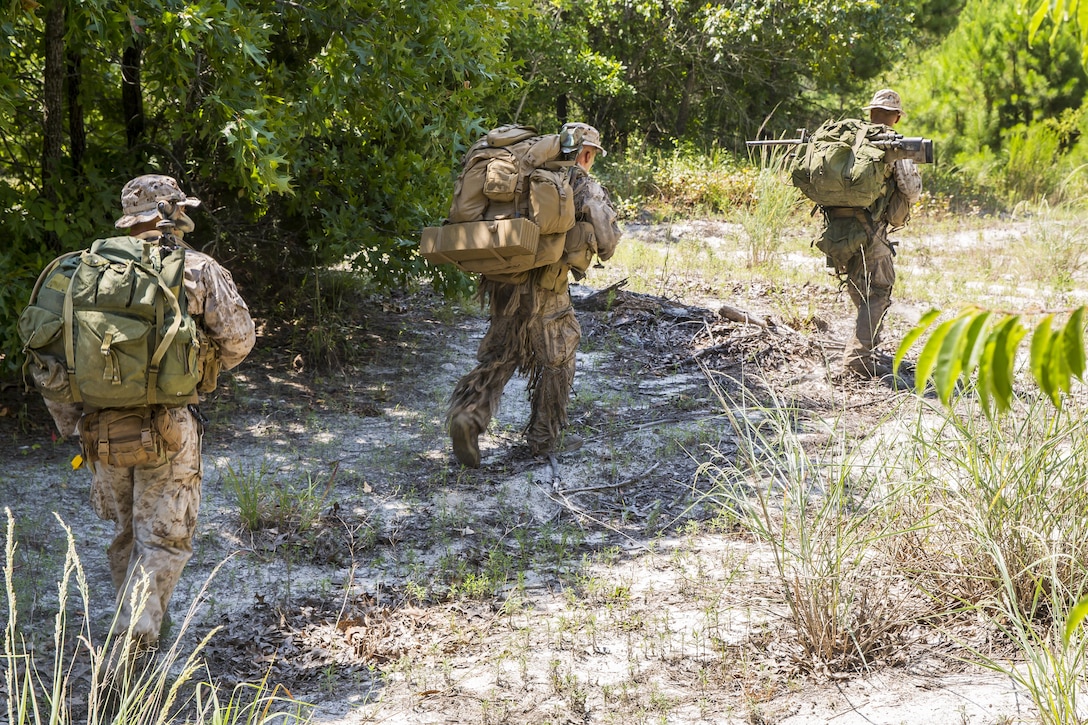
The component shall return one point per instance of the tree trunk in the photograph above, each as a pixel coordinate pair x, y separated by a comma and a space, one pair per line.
77, 129
132, 98
53, 109
561, 108
683, 116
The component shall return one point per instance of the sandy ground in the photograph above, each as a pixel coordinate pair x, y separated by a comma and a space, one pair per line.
601, 587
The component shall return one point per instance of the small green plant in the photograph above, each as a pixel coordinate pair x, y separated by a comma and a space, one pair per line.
265, 503
987, 342
251, 492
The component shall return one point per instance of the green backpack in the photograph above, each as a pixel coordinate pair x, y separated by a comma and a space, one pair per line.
109, 327
840, 167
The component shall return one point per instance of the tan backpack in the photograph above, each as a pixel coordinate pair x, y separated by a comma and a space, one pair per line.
512, 205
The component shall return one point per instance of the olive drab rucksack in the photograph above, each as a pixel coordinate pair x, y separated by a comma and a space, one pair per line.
109, 327
839, 166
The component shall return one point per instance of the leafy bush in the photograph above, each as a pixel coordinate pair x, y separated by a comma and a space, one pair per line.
680, 182
1031, 171
312, 135
711, 183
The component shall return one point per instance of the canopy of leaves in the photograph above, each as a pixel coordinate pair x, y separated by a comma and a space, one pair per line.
326, 132
708, 72
313, 132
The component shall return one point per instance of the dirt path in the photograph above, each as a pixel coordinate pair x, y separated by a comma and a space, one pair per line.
390, 585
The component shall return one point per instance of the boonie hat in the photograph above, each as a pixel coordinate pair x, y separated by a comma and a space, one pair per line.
887, 99
140, 198
575, 135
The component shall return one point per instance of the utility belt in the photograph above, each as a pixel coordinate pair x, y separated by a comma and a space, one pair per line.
843, 212
126, 437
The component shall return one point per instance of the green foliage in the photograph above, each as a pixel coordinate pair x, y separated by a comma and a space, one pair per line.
319, 133
1074, 618
702, 72
1031, 172
1059, 12
300, 126
686, 181
1000, 109
767, 215
988, 342
699, 184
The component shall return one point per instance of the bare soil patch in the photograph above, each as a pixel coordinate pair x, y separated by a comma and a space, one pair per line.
600, 587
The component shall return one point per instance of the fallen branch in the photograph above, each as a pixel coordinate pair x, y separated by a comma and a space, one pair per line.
711, 350
601, 299
621, 484
566, 503
738, 315
747, 318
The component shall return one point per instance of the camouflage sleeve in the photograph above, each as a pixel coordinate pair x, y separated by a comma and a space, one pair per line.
907, 179
593, 204
214, 300
65, 415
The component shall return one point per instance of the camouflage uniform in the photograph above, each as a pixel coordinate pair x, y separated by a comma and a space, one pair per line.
154, 506
533, 331
870, 272
870, 275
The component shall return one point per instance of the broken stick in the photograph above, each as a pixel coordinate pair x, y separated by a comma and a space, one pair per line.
599, 300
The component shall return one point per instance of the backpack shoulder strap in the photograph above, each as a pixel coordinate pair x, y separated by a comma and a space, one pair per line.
70, 345
169, 335
46, 272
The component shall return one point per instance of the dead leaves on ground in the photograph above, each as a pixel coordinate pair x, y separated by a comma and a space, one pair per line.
309, 639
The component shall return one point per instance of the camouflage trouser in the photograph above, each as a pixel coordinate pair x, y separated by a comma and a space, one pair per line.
154, 509
536, 334
870, 276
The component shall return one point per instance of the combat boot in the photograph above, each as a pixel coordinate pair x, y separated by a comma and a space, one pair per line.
862, 366
567, 443
465, 438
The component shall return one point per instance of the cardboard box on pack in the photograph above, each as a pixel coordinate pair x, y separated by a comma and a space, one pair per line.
496, 239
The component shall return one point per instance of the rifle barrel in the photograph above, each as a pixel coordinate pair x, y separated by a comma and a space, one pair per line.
802, 137
780, 142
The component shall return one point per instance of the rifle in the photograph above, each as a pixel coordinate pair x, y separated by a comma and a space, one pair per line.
802, 138
896, 146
